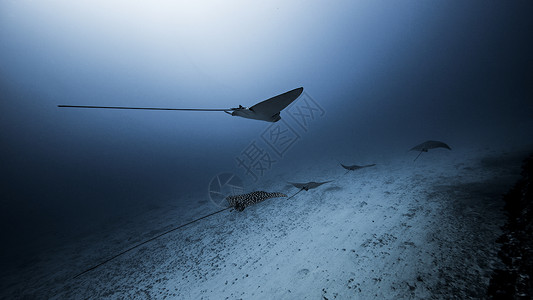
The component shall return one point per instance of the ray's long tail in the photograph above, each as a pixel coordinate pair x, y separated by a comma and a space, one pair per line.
149, 240
295, 193
418, 155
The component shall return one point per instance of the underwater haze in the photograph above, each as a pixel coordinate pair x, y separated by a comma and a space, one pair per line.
379, 77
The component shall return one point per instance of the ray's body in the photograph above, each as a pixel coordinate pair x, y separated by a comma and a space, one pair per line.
240, 202
427, 145
355, 167
306, 186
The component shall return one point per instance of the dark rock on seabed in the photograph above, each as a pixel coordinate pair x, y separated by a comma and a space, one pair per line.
515, 280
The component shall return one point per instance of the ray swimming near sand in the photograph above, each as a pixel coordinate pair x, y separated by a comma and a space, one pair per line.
240, 202
355, 167
427, 145
306, 186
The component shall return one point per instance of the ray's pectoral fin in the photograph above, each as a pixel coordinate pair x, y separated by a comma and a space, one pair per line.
269, 110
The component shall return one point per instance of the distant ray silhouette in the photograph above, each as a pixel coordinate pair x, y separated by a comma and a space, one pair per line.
355, 167
425, 146
267, 110
306, 186
239, 202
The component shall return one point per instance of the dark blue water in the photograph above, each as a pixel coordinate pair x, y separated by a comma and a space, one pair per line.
384, 77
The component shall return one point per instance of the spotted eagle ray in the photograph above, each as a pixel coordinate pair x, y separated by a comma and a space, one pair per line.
267, 110
306, 186
355, 167
425, 146
239, 202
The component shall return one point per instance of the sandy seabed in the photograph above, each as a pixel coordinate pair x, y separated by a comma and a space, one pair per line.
401, 229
